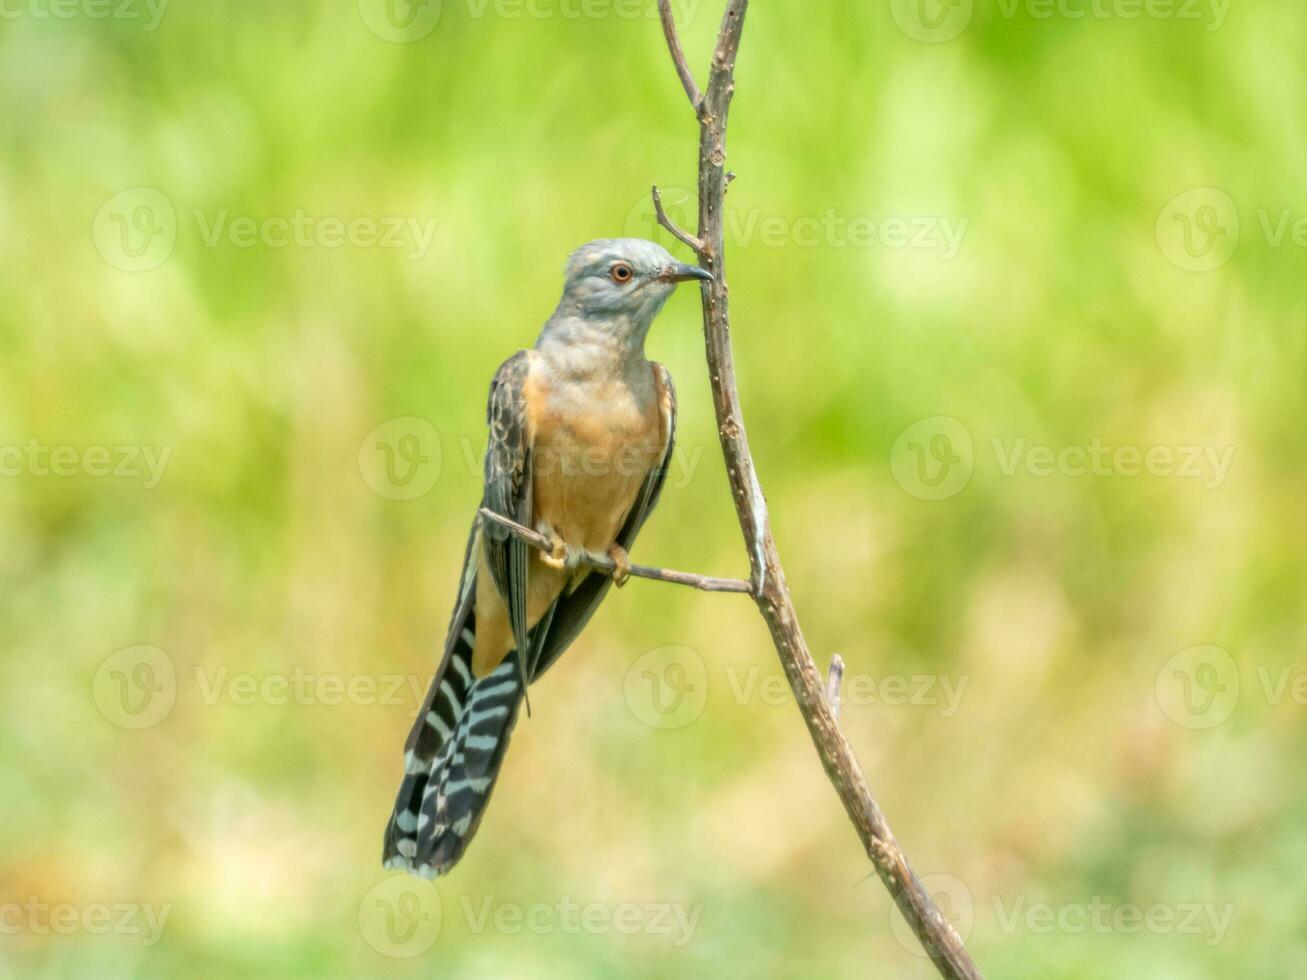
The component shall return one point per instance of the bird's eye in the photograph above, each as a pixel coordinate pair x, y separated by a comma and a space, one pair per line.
621, 272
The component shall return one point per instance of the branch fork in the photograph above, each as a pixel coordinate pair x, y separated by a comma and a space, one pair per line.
677, 232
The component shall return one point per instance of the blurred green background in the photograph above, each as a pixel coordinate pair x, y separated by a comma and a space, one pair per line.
257, 267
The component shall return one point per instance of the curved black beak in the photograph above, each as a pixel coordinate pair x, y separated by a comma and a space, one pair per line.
684, 273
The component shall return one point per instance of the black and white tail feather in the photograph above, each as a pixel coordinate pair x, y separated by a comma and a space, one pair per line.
454, 752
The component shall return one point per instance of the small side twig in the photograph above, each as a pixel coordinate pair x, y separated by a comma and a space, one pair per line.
679, 233
706, 583
678, 54
834, 678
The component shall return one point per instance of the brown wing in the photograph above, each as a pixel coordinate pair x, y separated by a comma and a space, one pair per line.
572, 610
508, 487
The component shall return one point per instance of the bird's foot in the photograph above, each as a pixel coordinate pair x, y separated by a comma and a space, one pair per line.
559, 555
622, 573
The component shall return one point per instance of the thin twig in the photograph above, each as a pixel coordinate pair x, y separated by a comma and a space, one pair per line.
834, 678
683, 236
706, 583
678, 54
935, 933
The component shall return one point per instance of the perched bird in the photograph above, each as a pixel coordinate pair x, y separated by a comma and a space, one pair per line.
581, 432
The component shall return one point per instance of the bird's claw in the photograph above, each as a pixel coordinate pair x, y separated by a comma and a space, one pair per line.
622, 573
559, 555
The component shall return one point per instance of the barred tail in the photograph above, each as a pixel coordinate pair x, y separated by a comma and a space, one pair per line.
452, 759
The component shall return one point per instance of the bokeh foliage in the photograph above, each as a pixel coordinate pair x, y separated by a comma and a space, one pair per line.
1056, 600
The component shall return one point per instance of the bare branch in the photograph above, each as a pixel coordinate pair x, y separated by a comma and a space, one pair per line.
771, 593
677, 232
678, 53
706, 583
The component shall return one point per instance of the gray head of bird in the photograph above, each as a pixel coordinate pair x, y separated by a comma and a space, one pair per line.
623, 282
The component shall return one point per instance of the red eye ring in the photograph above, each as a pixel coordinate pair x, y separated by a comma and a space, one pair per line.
622, 273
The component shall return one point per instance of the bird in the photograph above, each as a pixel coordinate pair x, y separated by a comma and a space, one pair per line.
581, 432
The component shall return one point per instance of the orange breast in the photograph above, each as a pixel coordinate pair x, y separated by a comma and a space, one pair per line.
591, 453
